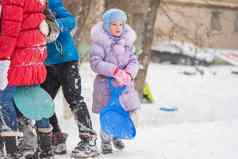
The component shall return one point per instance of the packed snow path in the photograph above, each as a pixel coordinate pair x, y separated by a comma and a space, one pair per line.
205, 126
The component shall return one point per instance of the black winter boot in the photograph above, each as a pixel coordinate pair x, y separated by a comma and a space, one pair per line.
87, 146
106, 147
27, 144
26, 150
59, 143
11, 148
45, 150
85, 149
106, 143
118, 144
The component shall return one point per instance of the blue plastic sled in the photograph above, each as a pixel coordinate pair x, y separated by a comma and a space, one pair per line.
169, 109
114, 120
33, 102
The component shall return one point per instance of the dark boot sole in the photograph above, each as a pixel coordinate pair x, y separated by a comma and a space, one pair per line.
107, 152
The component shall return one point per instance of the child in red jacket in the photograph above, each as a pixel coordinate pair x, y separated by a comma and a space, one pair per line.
22, 55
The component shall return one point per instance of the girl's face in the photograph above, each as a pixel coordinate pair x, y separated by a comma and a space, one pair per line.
116, 28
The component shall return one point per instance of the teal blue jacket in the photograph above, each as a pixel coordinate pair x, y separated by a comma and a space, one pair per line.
64, 48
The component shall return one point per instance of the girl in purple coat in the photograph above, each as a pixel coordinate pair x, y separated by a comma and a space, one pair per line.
112, 56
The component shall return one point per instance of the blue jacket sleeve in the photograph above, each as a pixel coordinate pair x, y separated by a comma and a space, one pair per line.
64, 18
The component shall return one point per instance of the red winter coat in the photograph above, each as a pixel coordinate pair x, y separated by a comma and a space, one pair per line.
22, 42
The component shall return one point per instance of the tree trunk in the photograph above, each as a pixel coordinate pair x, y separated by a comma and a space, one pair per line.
87, 12
142, 16
147, 40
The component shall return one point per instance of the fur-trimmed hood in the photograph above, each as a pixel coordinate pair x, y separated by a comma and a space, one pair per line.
100, 36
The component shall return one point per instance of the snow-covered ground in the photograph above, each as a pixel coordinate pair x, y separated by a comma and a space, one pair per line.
205, 125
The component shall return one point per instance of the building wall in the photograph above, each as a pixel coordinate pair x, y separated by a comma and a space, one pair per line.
190, 23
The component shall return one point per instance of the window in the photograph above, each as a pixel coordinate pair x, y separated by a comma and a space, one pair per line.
236, 23
216, 21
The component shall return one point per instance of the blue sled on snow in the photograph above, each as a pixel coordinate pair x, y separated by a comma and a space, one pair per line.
168, 109
114, 120
33, 102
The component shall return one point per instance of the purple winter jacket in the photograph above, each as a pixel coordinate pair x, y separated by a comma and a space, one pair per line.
107, 53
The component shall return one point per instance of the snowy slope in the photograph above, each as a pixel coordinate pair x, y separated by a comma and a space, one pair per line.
205, 126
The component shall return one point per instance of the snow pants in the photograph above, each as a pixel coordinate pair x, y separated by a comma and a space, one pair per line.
67, 75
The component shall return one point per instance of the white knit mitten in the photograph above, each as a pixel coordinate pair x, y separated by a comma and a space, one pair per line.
44, 28
4, 66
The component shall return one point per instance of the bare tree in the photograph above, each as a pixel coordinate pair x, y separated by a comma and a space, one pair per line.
86, 12
142, 16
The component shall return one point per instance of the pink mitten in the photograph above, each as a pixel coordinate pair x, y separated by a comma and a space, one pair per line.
121, 76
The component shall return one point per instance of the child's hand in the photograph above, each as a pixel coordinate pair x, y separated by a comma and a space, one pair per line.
122, 77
